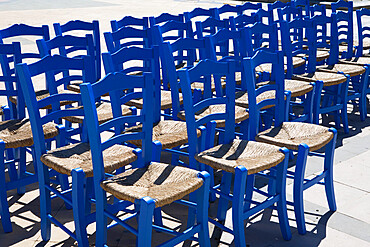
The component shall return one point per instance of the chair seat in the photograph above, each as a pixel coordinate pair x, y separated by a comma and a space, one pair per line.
361, 61
163, 183
18, 133
348, 69
241, 98
329, 79
1, 110
297, 62
169, 133
291, 134
67, 158
240, 114
297, 87
74, 86
255, 156
104, 111
166, 101
342, 48
320, 55
42, 94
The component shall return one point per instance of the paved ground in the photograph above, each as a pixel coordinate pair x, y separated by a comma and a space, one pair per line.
348, 226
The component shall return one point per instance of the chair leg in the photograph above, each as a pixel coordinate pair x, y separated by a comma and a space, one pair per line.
328, 168
344, 97
202, 210
249, 191
101, 218
45, 200
316, 101
22, 169
222, 202
4, 207
241, 174
298, 187
281, 192
78, 201
144, 236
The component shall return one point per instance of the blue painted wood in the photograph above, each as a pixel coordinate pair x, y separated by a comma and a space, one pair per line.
201, 12
242, 21
90, 28
165, 17
129, 21
48, 65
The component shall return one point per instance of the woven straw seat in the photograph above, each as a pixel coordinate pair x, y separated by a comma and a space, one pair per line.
240, 114
104, 111
74, 86
297, 62
329, 79
18, 133
200, 85
169, 133
254, 156
320, 55
348, 69
166, 101
291, 134
42, 94
163, 183
357, 61
67, 158
297, 87
1, 110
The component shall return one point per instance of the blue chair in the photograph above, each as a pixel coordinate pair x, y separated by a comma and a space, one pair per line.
66, 160
265, 37
317, 9
232, 156
129, 21
303, 138
165, 17
304, 4
358, 73
333, 86
167, 183
89, 28
14, 131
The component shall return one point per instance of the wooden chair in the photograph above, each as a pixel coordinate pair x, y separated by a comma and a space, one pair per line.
149, 184
237, 157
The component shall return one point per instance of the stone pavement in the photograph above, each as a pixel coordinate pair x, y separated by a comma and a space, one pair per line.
348, 226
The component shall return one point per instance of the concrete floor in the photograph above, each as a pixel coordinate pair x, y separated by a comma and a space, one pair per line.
348, 226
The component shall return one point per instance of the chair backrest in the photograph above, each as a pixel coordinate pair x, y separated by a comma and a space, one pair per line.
164, 17
242, 21
173, 30
209, 70
129, 21
222, 40
75, 27
317, 9
328, 40
200, 12
24, 31
210, 26
304, 43
169, 60
47, 65
136, 61
265, 16
304, 4
261, 37
127, 37
289, 13
234, 10
277, 75
363, 30
345, 24
68, 46
272, 7
10, 54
